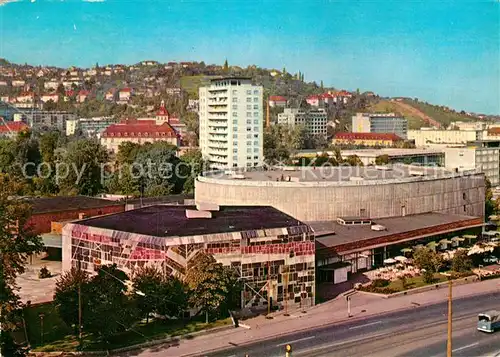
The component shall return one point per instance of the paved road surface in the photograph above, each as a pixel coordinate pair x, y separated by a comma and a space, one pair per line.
417, 332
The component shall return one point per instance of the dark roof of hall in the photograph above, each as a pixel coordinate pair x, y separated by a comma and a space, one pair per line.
68, 203
171, 221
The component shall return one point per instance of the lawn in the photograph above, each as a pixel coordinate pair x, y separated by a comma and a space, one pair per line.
191, 83
57, 336
415, 282
397, 285
385, 106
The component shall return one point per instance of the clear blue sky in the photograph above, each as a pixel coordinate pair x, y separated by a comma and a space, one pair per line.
445, 52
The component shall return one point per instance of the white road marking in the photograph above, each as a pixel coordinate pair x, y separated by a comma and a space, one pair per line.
244, 326
370, 324
464, 347
295, 341
336, 344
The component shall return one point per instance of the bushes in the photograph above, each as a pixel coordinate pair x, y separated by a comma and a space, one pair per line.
378, 290
380, 283
428, 277
44, 273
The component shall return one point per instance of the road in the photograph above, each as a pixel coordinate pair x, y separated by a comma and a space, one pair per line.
421, 331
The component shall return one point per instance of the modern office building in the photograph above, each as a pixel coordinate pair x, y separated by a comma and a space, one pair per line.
313, 120
437, 138
90, 127
231, 123
424, 157
380, 123
484, 159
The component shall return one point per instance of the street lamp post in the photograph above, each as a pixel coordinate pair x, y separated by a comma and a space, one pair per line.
450, 316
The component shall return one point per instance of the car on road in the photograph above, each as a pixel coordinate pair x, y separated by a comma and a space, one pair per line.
489, 321
491, 259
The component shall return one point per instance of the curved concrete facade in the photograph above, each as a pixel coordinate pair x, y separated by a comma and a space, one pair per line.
327, 200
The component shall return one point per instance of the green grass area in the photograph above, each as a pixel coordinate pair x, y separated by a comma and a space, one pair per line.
396, 286
58, 337
415, 282
191, 83
438, 113
53, 327
385, 106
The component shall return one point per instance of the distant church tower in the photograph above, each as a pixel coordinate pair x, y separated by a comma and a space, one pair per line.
162, 116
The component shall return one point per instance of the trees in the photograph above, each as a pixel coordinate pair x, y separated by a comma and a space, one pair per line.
353, 160
66, 296
280, 141
382, 160
211, 285
429, 260
159, 163
195, 166
17, 242
461, 262
109, 309
491, 206
83, 162
163, 294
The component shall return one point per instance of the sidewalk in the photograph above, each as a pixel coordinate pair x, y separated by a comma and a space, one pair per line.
362, 305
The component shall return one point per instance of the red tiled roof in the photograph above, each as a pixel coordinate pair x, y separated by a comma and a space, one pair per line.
51, 95
15, 126
146, 128
494, 131
25, 94
277, 98
84, 92
163, 112
70, 93
125, 90
367, 136
311, 97
175, 121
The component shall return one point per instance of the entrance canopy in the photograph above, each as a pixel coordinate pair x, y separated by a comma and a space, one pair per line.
352, 239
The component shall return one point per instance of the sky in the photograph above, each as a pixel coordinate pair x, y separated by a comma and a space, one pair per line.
443, 52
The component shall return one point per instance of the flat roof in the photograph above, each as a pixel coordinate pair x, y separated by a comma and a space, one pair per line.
392, 152
333, 174
229, 77
68, 203
171, 221
161, 199
344, 234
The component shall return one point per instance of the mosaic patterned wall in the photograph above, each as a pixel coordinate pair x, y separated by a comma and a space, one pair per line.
278, 262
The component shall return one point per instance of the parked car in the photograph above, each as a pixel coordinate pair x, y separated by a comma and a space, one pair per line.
490, 259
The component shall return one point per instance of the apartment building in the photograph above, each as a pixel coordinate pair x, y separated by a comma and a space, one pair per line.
485, 159
38, 119
380, 123
313, 120
231, 123
89, 127
436, 138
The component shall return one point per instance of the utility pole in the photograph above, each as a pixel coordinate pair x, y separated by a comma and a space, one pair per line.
448, 346
348, 297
